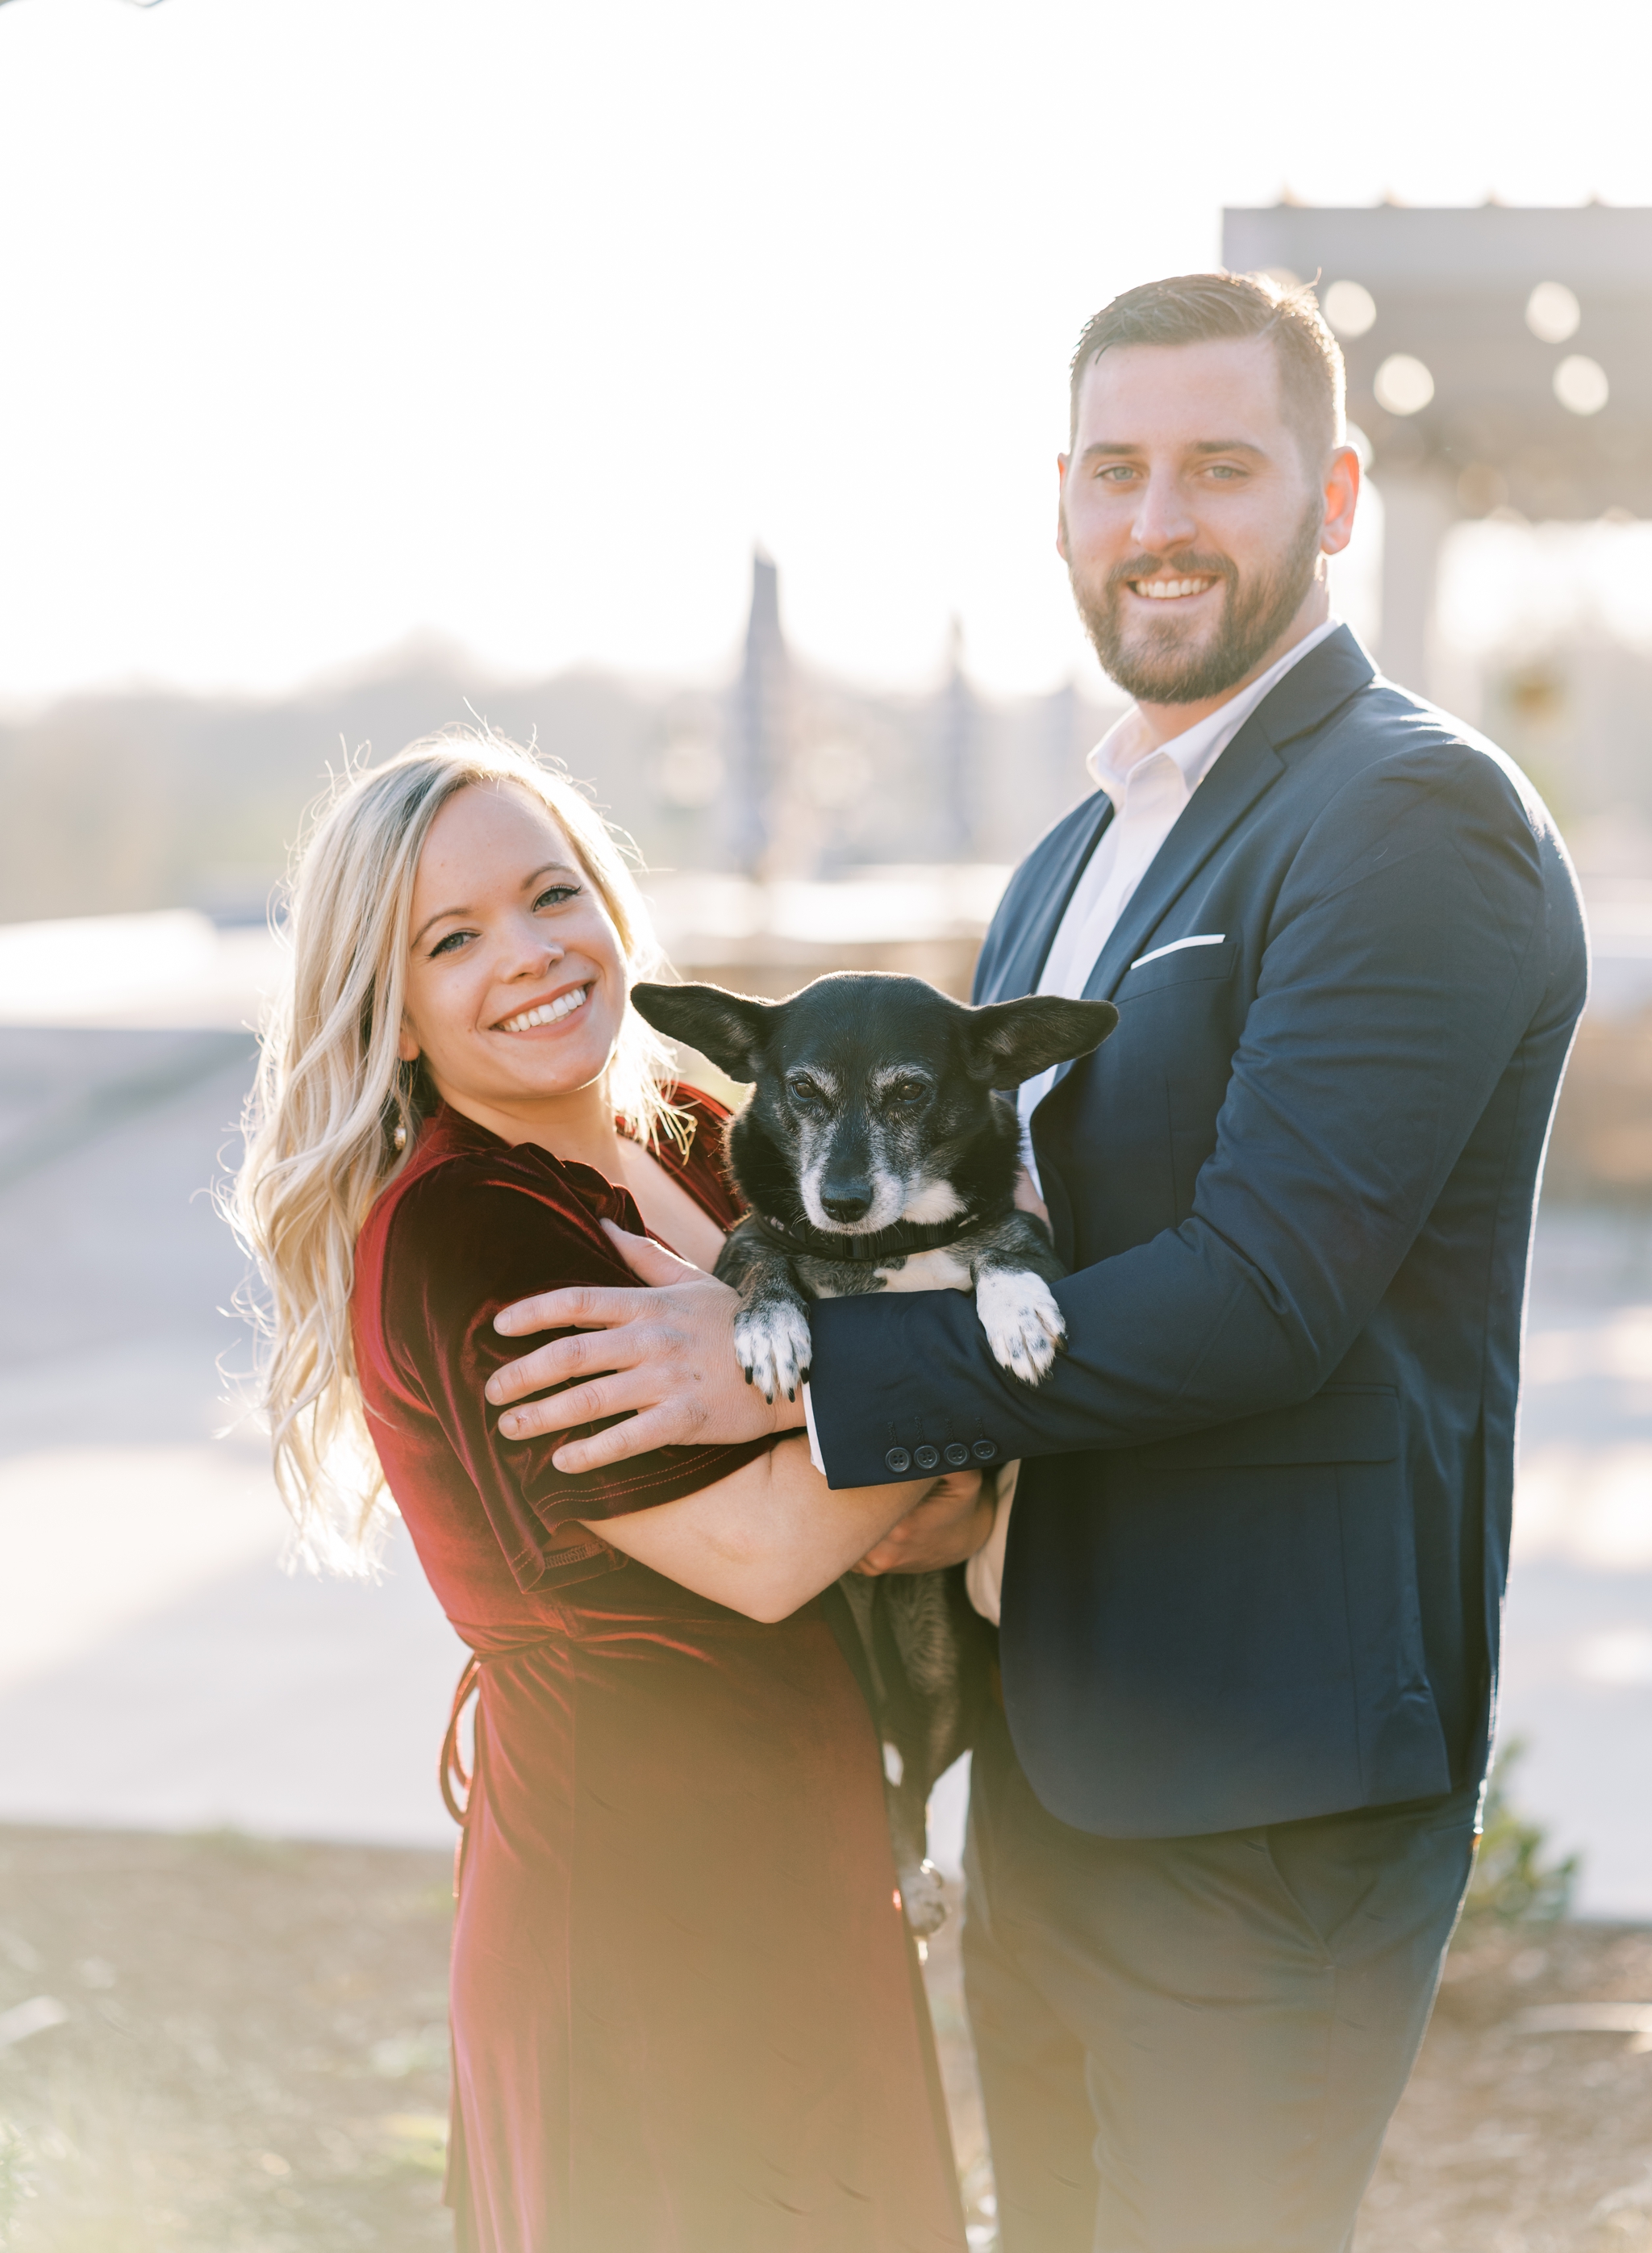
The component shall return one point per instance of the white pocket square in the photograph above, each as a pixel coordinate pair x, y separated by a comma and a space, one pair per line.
1204, 938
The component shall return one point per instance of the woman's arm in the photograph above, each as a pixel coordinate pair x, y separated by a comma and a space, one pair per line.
761, 1532
773, 1533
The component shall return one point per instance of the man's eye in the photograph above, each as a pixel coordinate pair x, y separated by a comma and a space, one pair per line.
1114, 473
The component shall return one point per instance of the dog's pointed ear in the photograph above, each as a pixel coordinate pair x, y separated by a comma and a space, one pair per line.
1013, 1041
731, 1029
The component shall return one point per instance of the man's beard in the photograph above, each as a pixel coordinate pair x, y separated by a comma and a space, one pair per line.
1156, 667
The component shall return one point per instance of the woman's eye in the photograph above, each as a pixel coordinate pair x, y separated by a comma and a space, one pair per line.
554, 895
452, 943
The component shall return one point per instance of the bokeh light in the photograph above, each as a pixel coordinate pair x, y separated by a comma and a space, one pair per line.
1580, 384
1349, 308
1402, 385
1553, 313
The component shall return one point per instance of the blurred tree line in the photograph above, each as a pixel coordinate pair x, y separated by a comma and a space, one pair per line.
126, 801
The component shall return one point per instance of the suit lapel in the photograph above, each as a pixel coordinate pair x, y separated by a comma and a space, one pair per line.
1248, 766
1049, 883
1251, 763
1039, 895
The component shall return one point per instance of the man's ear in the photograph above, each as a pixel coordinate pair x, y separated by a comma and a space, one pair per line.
1013, 1041
731, 1029
1341, 483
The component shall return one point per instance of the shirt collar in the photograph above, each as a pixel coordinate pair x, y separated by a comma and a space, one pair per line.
1196, 750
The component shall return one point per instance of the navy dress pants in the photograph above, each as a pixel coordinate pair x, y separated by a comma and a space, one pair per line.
1195, 2045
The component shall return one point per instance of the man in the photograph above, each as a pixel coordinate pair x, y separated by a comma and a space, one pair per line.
1252, 1588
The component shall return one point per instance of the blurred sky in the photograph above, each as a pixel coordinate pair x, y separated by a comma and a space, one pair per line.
326, 321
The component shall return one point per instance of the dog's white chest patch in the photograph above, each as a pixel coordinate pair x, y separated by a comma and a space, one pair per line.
940, 1270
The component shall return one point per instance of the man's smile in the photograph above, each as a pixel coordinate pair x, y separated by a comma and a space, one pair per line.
1169, 591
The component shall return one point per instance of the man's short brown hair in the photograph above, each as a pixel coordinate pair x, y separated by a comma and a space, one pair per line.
1192, 309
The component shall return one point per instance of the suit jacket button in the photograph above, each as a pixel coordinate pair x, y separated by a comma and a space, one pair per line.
898, 1460
957, 1453
984, 1451
926, 1457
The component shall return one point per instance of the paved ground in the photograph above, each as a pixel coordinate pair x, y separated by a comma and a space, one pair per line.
1578, 1677
157, 1670
157, 1667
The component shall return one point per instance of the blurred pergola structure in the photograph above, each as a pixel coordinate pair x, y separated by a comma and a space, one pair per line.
1497, 359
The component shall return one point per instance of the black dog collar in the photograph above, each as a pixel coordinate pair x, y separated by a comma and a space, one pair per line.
862, 1251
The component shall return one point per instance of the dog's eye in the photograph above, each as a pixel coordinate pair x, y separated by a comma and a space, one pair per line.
908, 1093
803, 1089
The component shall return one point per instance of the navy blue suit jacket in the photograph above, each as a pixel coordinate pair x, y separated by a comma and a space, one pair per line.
1257, 1561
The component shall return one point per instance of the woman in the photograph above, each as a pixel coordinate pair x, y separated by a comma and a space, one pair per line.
683, 2010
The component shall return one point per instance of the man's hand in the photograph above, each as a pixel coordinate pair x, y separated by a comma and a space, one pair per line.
950, 1522
662, 1358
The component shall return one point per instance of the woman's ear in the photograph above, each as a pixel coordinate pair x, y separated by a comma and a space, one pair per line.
407, 1043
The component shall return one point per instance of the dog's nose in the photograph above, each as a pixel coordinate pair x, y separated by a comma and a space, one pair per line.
847, 1209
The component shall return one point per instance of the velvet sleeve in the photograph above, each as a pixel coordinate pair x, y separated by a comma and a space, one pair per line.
474, 1235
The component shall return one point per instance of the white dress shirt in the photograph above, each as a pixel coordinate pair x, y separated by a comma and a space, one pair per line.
1149, 783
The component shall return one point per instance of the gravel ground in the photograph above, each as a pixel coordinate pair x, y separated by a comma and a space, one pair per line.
1518, 2139
253, 2058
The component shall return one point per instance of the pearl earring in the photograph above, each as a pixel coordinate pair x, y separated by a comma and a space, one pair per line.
400, 1138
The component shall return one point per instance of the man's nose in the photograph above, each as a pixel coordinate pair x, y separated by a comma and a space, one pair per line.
1163, 521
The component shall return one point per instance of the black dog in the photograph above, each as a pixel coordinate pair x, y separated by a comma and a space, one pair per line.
879, 1151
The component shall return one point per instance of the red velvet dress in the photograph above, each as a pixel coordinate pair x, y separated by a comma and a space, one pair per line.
684, 2015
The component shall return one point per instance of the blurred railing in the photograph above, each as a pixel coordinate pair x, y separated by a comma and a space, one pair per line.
176, 971
923, 921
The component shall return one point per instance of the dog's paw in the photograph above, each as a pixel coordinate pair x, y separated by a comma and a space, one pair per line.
1023, 1324
773, 1346
923, 1898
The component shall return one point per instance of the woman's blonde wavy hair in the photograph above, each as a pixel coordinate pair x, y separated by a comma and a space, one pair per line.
334, 1113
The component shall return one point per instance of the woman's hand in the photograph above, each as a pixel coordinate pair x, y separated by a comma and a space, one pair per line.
950, 1522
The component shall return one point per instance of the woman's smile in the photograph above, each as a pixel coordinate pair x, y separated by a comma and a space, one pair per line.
552, 1012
